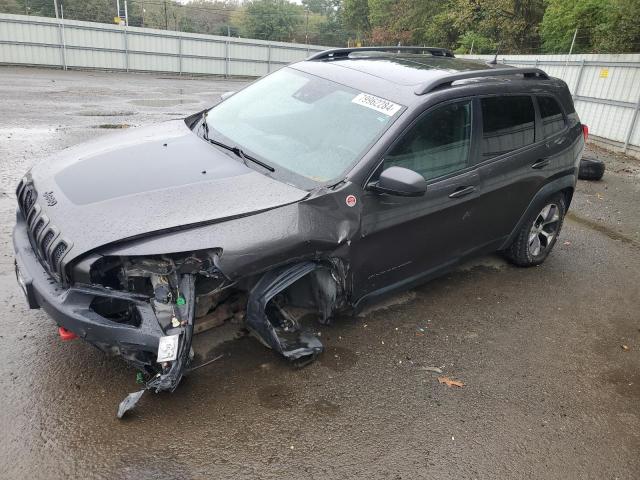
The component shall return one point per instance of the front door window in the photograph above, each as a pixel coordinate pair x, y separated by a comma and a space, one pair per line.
437, 144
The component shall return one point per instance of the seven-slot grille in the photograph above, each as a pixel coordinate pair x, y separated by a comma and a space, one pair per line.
45, 237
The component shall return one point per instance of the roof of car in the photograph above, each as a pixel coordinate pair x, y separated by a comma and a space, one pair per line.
405, 73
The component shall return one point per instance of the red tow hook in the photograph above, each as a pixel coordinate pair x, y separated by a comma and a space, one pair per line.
66, 335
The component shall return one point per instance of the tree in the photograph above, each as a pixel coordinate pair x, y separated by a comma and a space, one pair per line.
561, 19
479, 43
511, 23
205, 16
355, 15
380, 12
321, 7
620, 31
269, 19
15, 7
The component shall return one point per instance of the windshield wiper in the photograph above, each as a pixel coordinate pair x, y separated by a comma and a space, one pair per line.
235, 149
238, 151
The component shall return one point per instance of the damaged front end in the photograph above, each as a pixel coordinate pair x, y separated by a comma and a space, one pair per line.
173, 287
188, 294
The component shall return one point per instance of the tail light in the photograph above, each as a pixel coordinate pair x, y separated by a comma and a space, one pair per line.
585, 132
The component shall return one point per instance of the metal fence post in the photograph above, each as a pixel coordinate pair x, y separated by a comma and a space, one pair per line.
63, 52
126, 49
226, 58
180, 55
575, 91
269, 58
631, 126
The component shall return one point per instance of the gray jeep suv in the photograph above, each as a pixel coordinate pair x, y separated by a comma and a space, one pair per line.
322, 186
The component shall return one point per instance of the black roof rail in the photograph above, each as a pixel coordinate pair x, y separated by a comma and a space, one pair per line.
491, 72
345, 52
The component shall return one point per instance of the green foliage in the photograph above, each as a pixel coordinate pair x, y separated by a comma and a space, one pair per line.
623, 19
603, 25
516, 26
479, 43
355, 15
269, 19
561, 19
321, 7
379, 12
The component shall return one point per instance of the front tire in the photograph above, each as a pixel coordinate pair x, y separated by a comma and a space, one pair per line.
539, 234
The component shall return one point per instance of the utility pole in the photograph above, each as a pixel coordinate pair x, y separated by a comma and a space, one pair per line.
472, 43
142, 5
55, 6
126, 14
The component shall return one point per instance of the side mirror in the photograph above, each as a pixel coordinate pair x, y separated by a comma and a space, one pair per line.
401, 182
226, 95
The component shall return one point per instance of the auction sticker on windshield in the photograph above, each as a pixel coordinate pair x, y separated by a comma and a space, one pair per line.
376, 103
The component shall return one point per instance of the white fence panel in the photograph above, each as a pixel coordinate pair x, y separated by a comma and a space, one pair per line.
75, 44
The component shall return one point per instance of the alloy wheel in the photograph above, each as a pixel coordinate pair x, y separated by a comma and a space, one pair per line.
544, 230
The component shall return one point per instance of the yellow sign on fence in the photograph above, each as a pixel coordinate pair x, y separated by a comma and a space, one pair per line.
604, 73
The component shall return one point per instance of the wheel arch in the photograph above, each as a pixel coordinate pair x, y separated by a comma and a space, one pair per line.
564, 185
568, 196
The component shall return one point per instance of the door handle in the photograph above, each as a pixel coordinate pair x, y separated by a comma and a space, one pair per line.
543, 162
462, 191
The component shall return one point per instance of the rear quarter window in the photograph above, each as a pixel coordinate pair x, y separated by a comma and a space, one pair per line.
551, 115
508, 123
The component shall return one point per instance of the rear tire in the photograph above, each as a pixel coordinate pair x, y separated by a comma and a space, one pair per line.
591, 169
539, 234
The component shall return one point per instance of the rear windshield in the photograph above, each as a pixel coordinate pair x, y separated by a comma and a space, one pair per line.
308, 125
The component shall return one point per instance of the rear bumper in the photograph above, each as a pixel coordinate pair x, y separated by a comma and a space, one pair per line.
70, 307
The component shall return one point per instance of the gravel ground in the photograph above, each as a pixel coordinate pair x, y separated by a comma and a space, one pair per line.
549, 392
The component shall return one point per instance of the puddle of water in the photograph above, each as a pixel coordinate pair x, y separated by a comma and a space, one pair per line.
113, 125
163, 103
100, 113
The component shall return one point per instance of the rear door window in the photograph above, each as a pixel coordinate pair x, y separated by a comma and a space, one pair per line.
508, 123
551, 115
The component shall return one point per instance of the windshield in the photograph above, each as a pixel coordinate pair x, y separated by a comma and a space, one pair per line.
308, 125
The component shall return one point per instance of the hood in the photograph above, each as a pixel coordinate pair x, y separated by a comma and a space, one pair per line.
147, 180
